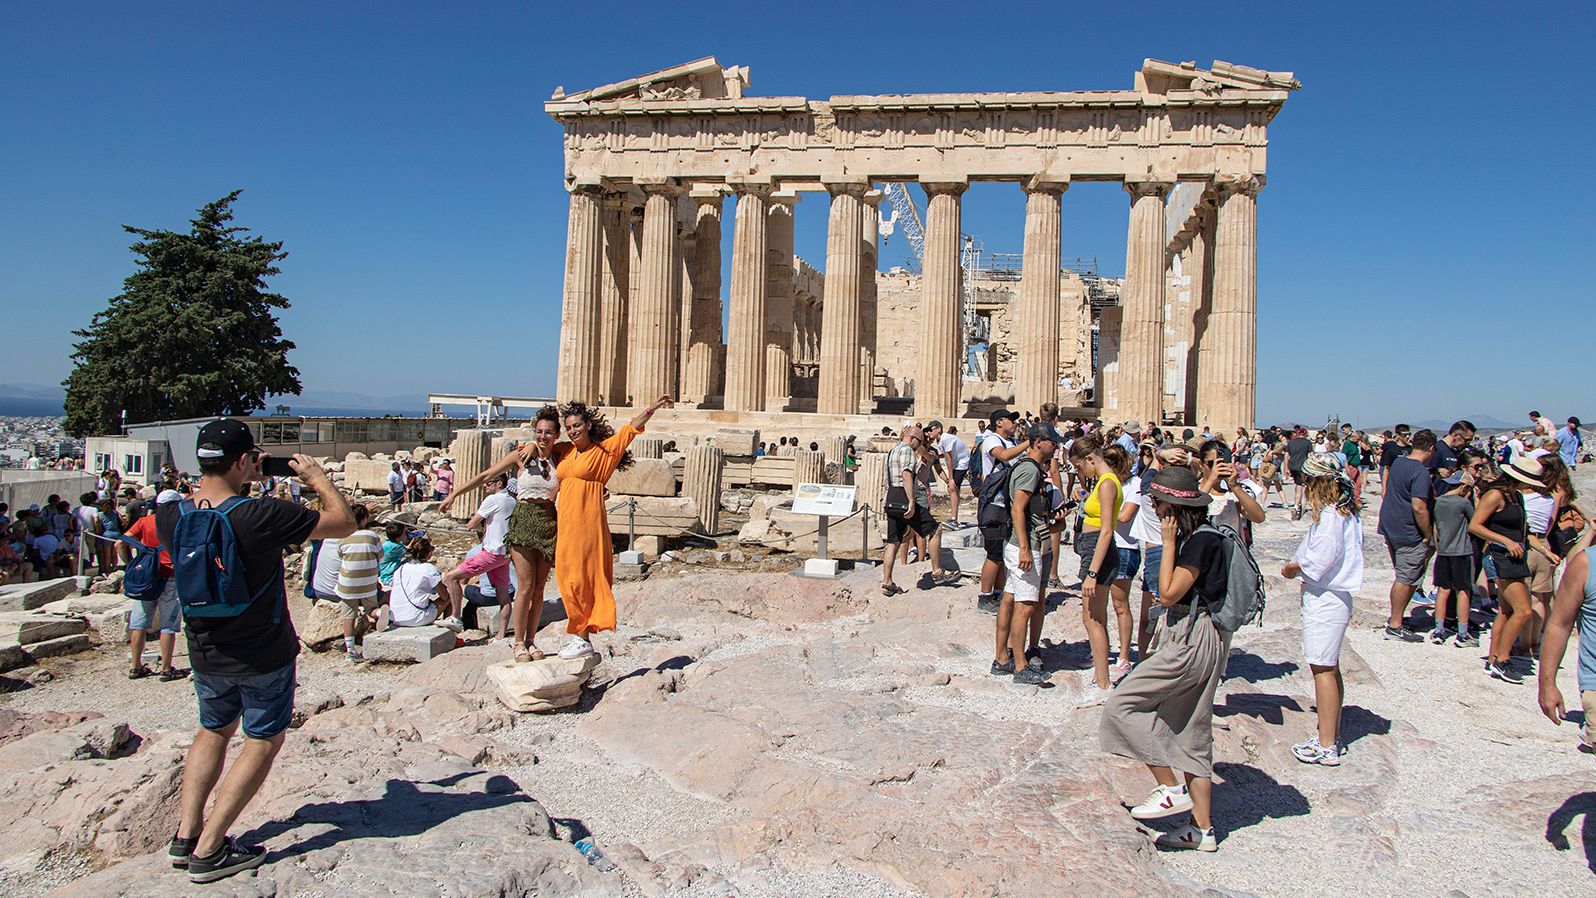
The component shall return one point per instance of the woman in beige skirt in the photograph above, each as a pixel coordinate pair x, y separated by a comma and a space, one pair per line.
1162, 713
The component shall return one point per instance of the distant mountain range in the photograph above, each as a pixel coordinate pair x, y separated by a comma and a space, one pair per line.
39, 399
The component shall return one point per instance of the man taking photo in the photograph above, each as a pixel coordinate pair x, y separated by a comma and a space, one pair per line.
243, 663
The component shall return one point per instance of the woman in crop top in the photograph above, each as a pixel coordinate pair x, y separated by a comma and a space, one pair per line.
533, 524
1500, 520
1099, 556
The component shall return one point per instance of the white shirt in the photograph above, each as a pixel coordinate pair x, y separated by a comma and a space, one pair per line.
324, 579
495, 513
396, 482
1146, 529
410, 603
532, 484
953, 447
992, 441
1331, 553
1538, 512
1124, 537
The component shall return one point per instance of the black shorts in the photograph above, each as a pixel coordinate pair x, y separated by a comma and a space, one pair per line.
994, 549
1455, 572
958, 476
921, 522
1296, 476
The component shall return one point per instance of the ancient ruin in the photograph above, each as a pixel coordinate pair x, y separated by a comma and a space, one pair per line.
650, 161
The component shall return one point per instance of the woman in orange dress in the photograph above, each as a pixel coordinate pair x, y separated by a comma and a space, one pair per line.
584, 562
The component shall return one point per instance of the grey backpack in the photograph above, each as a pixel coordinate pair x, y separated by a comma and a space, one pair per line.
1243, 601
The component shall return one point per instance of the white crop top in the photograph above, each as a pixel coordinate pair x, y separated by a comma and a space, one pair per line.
531, 483
1538, 511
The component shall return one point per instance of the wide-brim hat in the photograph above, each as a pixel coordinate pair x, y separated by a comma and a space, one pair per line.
1525, 469
1132, 427
1178, 486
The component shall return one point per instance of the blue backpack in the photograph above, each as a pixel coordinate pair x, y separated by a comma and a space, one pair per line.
206, 563
143, 580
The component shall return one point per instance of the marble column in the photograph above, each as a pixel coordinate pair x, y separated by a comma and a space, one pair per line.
1037, 327
1199, 269
779, 311
652, 365
1140, 388
745, 337
839, 323
869, 254
634, 283
704, 323
1231, 332
937, 383
616, 285
577, 373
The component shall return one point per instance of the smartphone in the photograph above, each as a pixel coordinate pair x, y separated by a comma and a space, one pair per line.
276, 466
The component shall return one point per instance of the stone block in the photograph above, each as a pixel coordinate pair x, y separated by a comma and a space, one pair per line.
409, 644
646, 477
27, 596
546, 685
111, 625
61, 645
825, 568
735, 443
28, 627
12, 656
88, 605
962, 538
649, 547
793, 532
366, 475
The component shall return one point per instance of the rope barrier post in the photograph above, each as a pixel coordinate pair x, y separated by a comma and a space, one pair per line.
821, 539
631, 523
864, 551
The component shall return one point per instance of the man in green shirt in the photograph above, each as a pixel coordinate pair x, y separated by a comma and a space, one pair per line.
1024, 554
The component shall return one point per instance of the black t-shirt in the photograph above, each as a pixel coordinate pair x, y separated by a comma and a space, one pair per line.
250, 643
1298, 449
1444, 456
1205, 551
134, 511
1390, 451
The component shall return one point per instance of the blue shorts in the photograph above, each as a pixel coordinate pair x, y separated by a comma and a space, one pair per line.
161, 613
1155, 557
265, 701
1129, 561
1490, 567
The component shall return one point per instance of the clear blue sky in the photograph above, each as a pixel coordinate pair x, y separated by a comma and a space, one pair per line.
1422, 238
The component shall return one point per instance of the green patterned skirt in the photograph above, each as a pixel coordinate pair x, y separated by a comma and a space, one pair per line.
533, 526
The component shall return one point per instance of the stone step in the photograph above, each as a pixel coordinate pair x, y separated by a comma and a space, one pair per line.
12, 656
27, 596
408, 644
61, 645
28, 627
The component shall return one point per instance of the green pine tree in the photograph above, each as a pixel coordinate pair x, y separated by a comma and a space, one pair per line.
193, 333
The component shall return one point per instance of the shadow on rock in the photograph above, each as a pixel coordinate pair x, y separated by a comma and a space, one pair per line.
1264, 706
1560, 819
403, 810
1358, 722
1253, 669
1250, 796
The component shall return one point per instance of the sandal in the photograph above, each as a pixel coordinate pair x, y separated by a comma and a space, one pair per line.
522, 654
176, 673
140, 672
891, 589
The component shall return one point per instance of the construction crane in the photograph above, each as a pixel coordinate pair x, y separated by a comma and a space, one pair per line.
906, 217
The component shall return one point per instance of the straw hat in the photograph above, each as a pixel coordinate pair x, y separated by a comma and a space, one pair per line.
1525, 470
1178, 486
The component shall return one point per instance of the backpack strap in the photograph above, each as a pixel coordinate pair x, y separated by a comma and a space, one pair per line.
231, 503
135, 543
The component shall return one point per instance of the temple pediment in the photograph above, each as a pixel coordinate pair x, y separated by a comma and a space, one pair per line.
1159, 77
701, 79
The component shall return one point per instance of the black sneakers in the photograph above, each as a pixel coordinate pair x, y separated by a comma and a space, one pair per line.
178, 850
229, 859
1030, 677
1403, 634
1005, 669
988, 603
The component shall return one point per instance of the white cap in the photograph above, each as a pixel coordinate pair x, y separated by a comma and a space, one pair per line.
165, 496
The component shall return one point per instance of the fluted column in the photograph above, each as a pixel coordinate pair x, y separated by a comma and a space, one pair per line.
577, 373
839, 311
1036, 331
937, 381
652, 367
616, 287
1140, 390
779, 318
745, 337
870, 231
1200, 269
1232, 319
704, 325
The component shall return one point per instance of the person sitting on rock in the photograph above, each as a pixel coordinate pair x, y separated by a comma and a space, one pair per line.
417, 598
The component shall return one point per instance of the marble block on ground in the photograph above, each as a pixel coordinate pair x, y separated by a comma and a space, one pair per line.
545, 685
28, 627
407, 644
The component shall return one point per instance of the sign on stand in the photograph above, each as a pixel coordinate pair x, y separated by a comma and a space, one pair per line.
825, 501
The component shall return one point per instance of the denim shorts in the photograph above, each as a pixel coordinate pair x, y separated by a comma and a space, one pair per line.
1154, 557
161, 613
1129, 561
265, 701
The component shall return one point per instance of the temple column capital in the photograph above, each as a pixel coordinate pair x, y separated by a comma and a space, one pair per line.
1248, 185
1046, 184
1149, 187
944, 186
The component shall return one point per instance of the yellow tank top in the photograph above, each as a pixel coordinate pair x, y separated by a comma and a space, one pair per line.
1093, 509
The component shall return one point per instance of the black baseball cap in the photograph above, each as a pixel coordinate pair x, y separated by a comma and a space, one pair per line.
1042, 430
222, 438
1000, 414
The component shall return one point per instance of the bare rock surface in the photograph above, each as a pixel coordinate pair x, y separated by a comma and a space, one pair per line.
764, 735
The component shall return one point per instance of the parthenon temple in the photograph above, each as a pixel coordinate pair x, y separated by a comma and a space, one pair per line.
651, 161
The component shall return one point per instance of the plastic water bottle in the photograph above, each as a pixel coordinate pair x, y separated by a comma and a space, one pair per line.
594, 856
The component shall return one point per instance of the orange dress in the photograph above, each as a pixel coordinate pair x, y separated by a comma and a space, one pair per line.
584, 561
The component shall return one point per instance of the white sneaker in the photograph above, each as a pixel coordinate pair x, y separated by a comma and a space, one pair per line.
1189, 837
1165, 801
1091, 695
576, 647
452, 623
